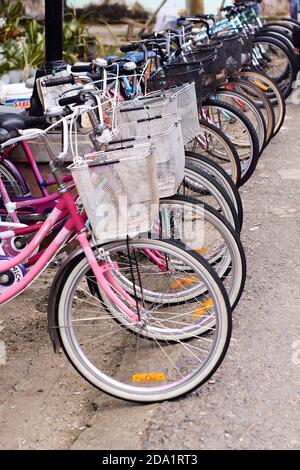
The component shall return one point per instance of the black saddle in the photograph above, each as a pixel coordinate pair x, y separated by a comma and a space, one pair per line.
10, 122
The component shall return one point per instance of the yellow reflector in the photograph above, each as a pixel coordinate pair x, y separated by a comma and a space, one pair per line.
183, 282
261, 85
203, 308
201, 251
152, 377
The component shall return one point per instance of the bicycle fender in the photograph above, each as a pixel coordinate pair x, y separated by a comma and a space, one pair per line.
56, 285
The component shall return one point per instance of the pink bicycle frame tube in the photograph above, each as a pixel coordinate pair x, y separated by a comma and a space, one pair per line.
6, 200
37, 268
75, 222
37, 239
99, 272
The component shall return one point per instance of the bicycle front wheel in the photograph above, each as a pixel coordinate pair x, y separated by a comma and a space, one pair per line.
148, 361
216, 146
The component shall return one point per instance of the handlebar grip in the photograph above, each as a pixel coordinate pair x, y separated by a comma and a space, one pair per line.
153, 35
129, 47
148, 36
228, 8
59, 81
205, 17
76, 99
88, 67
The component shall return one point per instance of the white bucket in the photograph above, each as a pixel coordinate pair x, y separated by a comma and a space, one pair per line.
16, 95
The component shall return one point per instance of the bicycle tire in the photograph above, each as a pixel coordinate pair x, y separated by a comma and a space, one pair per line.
276, 92
230, 154
217, 172
115, 387
249, 167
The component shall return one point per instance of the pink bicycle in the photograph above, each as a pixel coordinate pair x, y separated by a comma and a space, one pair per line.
122, 310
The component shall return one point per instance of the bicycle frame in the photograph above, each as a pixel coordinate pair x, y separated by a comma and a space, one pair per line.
74, 224
42, 183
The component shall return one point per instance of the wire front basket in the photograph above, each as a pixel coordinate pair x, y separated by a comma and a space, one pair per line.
118, 190
145, 107
213, 62
232, 44
179, 100
177, 74
166, 136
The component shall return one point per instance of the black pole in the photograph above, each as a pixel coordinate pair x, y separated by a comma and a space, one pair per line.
53, 30
53, 47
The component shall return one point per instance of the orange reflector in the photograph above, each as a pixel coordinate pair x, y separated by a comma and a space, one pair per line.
261, 85
152, 377
201, 251
240, 104
203, 308
183, 282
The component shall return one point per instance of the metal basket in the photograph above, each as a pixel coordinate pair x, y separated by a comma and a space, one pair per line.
177, 74
146, 107
213, 62
166, 136
179, 99
187, 109
232, 43
118, 190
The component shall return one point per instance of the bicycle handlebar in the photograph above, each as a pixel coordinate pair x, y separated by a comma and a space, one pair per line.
80, 98
88, 67
150, 43
70, 80
130, 47
195, 19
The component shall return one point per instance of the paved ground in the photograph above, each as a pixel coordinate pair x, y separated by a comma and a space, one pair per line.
253, 400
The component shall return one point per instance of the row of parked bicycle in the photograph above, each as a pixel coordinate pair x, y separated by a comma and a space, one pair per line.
171, 129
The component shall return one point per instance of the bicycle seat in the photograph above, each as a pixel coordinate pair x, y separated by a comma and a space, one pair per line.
10, 121
4, 135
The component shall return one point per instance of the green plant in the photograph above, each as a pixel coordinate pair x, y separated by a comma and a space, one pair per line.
12, 11
23, 42
77, 40
26, 53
